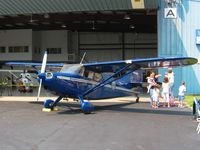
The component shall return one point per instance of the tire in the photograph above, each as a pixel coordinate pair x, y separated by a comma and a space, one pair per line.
48, 103
194, 111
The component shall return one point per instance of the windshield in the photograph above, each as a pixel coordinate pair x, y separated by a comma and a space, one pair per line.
72, 68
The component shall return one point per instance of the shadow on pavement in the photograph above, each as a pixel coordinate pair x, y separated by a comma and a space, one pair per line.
74, 108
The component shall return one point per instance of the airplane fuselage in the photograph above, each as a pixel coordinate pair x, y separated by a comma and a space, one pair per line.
72, 85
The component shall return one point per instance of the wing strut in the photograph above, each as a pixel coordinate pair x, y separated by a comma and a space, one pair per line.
103, 83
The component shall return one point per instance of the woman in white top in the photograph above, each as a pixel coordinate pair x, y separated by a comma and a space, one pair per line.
166, 91
152, 83
170, 75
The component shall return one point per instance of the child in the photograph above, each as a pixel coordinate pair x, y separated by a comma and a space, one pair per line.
166, 91
181, 93
155, 96
170, 75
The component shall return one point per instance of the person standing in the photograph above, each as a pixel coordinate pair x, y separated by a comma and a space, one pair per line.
170, 76
165, 91
152, 83
181, 93
155, 96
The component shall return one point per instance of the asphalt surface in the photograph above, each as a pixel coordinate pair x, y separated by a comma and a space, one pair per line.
113, 126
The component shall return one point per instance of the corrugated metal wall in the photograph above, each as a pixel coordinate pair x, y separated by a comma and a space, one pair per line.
176, 37
8, 7
47, 6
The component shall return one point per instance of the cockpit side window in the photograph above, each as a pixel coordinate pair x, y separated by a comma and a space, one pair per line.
92, 75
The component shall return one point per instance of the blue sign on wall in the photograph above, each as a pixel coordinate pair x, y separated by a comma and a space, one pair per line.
197, 36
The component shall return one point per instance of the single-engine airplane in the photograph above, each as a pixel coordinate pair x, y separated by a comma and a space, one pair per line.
95, 80
23, 81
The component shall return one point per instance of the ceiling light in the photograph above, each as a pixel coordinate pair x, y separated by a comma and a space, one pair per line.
20, 24
46, 16
132, 27
63, 26
9, 25
93, 25
127, 17
31, 19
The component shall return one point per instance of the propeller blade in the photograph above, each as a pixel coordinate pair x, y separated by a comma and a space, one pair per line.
39, 90
44, 62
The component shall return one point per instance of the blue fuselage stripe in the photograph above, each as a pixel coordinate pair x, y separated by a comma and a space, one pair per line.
63, 83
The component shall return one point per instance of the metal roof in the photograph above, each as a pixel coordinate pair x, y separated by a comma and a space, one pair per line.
116, 21
16, 7
151, 4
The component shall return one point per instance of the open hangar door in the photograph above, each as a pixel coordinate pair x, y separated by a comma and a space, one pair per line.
104, 35
108, 46
120, 38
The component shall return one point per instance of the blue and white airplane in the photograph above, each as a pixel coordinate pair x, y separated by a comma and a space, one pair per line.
95, 80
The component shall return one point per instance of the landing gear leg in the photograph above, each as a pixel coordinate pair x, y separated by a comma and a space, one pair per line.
49, 105
56, 102
86, 107
137, 98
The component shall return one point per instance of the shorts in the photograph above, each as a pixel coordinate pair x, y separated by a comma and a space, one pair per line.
155, 98
181, 98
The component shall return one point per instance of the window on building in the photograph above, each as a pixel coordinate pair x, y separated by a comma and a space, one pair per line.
54, 50
2, 49
18, 49
37, 50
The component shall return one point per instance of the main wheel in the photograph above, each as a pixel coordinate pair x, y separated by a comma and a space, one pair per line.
48, 103
137, 100
194, 111
87, 107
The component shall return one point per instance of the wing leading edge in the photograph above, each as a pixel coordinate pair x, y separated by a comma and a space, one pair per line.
113, 66
31, 64
144, 63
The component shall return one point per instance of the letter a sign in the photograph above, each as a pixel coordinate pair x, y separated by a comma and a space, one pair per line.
170, 13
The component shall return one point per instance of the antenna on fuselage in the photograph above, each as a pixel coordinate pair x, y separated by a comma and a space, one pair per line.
83, 58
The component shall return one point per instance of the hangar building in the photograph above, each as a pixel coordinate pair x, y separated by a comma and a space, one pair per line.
104, 29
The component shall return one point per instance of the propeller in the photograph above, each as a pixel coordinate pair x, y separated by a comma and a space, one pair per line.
44, 62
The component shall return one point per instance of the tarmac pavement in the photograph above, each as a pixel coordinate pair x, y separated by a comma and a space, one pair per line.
114, 125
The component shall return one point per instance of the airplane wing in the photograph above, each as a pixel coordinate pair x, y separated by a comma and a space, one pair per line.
113, 66
124, 67
31, 64
145, 63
